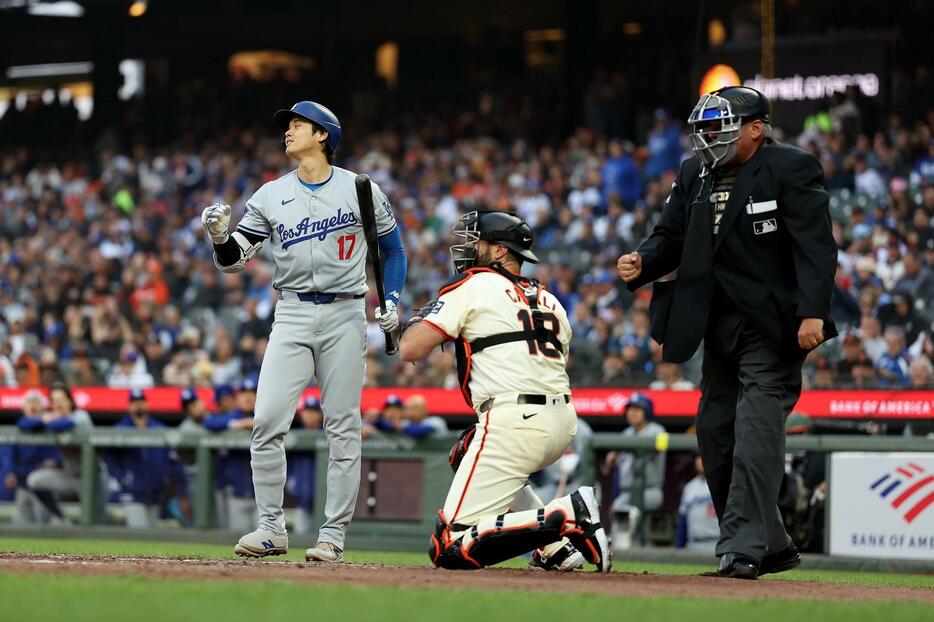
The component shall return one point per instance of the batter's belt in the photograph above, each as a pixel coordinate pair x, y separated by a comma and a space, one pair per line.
317, 298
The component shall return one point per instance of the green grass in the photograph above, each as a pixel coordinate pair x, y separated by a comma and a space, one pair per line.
98, 599
102, 598
129, 548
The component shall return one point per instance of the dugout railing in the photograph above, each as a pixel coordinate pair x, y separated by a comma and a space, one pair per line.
404, 480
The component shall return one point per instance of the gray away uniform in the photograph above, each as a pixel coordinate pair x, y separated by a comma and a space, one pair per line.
317, 244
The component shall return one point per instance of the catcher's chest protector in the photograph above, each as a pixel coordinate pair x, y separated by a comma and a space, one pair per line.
536, 335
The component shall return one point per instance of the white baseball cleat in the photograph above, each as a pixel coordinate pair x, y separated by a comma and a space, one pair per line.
262, 543
566, 559
324, 552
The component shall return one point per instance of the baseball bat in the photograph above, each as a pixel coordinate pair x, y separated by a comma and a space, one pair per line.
368, 219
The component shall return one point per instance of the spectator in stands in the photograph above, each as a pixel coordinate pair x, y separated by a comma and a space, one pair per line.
918, 281
80, 370
823, 373
865, 274
870, 333
852, 349
7, 372
698, 528
27, 371
664, 145
864, 374
146, 476
300, 482
922, 374
102, 273
620, 175
901, 313
227, 367
236, 506
668, 377
893, 366
130, 372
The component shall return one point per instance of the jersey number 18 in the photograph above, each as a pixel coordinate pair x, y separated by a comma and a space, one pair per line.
551, 326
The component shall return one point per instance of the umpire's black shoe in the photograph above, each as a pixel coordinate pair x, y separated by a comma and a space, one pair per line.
781, 561
736, 566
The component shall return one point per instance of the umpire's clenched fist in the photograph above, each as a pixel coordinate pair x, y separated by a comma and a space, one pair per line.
629, 266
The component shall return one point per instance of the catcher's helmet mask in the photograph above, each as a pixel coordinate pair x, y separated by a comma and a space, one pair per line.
717, 122
494, 227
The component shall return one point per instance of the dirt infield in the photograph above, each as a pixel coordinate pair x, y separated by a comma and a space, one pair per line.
615, 584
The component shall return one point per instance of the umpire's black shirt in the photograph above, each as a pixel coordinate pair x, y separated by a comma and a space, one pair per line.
773, 254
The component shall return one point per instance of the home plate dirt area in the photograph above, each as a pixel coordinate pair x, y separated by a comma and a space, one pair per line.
614, 584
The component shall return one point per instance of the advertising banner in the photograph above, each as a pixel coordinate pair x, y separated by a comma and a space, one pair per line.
882, 505
592, 402
809, 70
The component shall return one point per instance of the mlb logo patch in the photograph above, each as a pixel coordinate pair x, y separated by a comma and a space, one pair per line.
765, 226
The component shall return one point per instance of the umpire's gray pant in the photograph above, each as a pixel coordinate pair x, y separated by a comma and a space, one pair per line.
329, 342
747, 390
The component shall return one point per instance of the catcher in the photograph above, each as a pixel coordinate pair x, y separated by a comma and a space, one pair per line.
511, 342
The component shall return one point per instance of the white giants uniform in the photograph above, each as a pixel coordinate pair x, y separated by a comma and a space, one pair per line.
518, 386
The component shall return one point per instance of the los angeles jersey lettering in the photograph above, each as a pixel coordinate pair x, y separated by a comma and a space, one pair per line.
316, 236
487, 304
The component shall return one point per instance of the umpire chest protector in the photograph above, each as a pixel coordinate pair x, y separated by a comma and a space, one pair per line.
534, 333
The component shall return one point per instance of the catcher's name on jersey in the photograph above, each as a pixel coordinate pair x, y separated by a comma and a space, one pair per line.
315, 233
486, 303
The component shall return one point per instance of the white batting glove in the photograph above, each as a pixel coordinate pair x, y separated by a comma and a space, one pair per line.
388, 321
215, 219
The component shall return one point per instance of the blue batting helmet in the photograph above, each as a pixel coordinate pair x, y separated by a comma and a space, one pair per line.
643, 401
315, 112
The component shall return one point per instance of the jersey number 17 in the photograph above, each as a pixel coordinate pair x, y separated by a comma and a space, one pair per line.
345, 246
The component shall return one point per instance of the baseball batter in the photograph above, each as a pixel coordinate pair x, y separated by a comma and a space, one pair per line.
511, 341
311, 219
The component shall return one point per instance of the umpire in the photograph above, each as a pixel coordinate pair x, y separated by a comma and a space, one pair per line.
747, 229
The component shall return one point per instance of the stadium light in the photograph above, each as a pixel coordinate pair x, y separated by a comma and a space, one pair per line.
65, 8
138, 8
48, 69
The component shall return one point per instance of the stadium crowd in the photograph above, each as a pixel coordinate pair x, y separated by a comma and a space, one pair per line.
106, 277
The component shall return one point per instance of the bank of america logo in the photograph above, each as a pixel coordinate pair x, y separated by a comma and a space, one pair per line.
909, 489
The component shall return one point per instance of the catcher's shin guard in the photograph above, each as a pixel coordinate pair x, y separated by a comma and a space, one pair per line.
494, 540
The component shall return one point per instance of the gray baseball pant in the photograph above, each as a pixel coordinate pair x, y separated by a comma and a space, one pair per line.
329, 342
